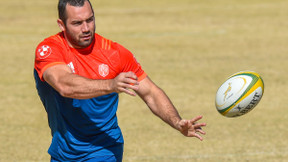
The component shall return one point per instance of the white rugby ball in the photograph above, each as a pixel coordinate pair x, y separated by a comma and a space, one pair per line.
239, 94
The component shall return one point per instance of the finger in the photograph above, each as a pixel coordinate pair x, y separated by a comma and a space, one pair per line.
196, 119
199, 125
200, 131
131, 75
198, 136
127, 91
133, 87
130, 81
126, 86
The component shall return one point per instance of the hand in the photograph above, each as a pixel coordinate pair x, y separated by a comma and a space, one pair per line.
190, 128
124, 82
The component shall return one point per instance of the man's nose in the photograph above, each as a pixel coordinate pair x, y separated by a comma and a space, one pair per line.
85, 27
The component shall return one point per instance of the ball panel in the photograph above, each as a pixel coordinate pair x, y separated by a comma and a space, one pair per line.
244, 91
246, 105
231, 91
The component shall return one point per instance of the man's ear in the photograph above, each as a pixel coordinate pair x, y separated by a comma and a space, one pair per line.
61, 24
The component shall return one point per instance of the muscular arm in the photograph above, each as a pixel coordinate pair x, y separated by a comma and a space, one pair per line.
71, 85
161, 106
158, 102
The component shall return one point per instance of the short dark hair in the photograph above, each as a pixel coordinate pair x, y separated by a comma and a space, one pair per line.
62, 7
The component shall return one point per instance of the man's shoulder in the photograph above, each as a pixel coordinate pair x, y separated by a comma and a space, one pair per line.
54, 44
57, 40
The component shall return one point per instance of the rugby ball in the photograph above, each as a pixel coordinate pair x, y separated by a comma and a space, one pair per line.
239, 94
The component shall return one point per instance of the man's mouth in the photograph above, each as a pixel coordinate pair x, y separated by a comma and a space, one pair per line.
86, 37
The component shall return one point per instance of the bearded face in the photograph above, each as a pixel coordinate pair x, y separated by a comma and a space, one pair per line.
79, 28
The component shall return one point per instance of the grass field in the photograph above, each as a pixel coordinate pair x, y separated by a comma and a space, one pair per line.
188, 48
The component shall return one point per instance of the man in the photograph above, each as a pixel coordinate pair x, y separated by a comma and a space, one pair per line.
79, 75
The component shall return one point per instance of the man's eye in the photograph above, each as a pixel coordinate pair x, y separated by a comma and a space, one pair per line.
90, 20
76, 23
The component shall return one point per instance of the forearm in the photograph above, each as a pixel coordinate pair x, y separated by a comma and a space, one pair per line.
161, 106
71, 85
75, 86
82, 88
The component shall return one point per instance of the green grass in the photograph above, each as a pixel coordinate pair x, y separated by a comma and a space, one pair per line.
188, 48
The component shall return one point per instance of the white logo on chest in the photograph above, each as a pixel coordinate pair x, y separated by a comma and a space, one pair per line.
103, 70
